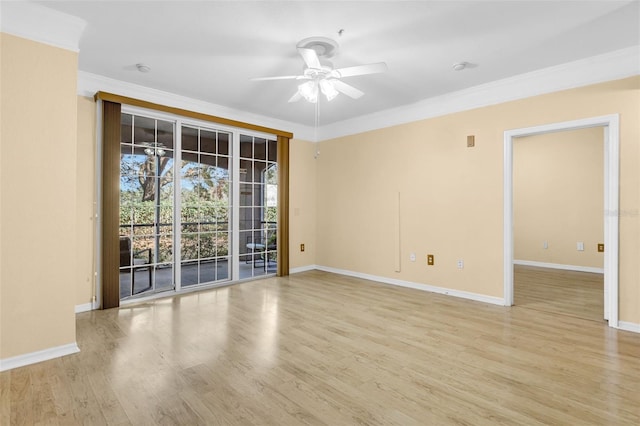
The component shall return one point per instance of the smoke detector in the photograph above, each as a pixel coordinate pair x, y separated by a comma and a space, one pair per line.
143, 67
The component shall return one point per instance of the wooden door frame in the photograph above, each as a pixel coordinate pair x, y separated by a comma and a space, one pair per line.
611, 125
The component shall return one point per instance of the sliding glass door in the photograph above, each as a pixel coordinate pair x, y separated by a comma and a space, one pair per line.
198, 204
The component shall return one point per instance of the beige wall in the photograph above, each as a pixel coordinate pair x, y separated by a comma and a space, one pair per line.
558, 197
451, 196
302, 203
38, 193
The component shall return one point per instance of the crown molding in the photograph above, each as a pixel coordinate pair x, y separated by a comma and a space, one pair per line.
41, 24
597, 69
89, 84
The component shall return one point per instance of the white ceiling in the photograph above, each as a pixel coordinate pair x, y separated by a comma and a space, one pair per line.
209, 50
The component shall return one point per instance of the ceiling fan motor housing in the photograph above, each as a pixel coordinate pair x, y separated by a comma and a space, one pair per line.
323, 46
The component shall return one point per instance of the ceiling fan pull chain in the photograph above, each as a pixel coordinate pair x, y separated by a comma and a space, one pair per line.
317, 121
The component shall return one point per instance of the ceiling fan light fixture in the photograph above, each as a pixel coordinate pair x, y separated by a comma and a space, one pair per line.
321, 76
154, 148
309, 91
327, 88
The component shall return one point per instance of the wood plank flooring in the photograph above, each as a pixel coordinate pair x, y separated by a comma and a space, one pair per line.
322, 349
579, 294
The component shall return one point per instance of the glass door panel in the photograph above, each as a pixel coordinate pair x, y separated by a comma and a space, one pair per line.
258, 206
205, 205
146, 205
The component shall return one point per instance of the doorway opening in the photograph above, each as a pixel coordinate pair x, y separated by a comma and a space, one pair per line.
610, 125
558, 222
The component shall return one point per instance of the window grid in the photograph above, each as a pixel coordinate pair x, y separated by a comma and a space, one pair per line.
257, 231
146, 204
206, 203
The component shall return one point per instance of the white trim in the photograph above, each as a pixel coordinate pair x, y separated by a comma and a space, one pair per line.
302, 269
576, 268
86, 307
38, 356
629, 326
417, 286
611, 218
606, 67
611, 125
89, 84
41, 24
596, 69
507, 234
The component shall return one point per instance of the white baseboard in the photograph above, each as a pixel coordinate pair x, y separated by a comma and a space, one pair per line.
418, 286
629, 326
38, 356
86, 307
303, 269
559, 266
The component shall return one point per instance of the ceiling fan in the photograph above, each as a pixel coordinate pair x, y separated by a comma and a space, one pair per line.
319, 74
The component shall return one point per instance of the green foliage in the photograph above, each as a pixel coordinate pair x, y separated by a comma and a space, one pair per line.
205, 205
204, 214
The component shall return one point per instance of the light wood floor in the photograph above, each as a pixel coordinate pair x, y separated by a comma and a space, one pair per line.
579, 294
318, 348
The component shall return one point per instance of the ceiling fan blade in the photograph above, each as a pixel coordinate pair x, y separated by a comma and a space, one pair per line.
296, 97
348, 90
361, 69
281, 77
310, 58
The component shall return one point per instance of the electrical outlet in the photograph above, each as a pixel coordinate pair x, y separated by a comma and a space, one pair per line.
412, 257
460, 264
430, 259
545, 245
580, 246
301, 247
601, 247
